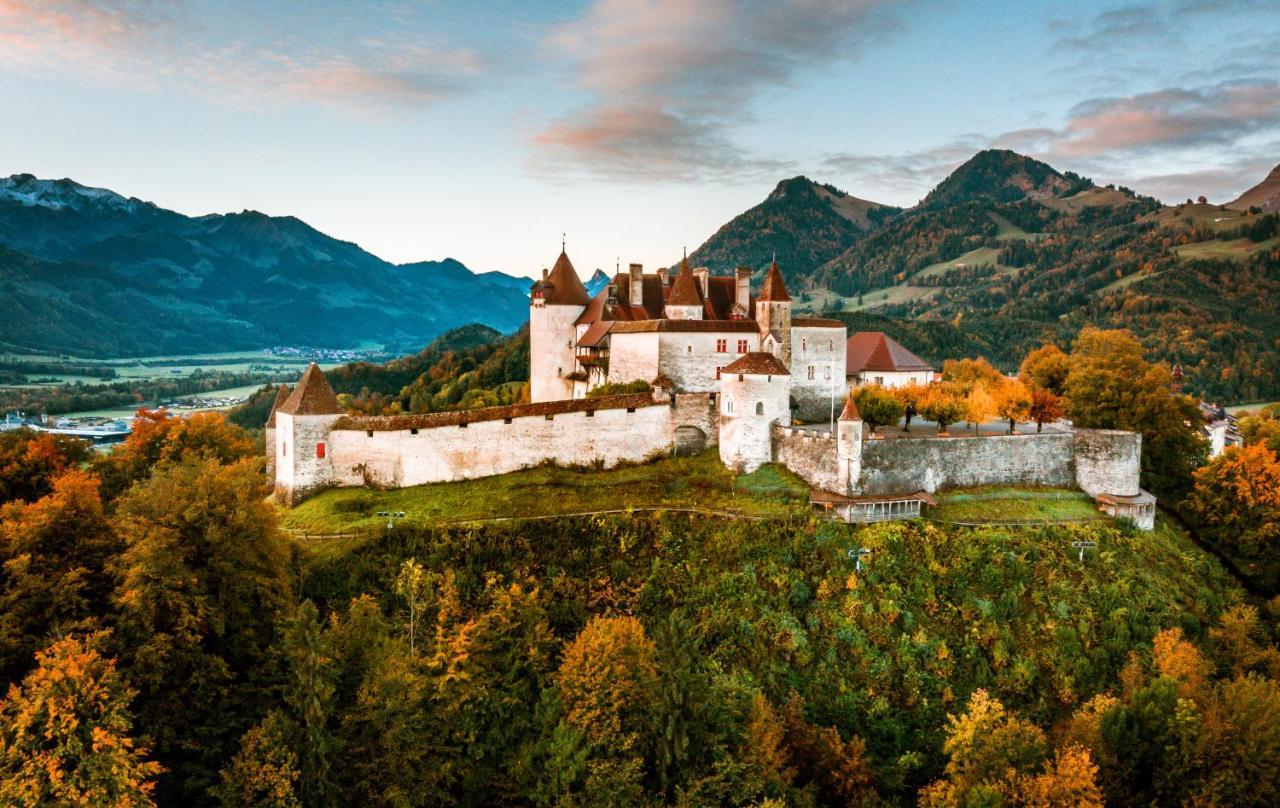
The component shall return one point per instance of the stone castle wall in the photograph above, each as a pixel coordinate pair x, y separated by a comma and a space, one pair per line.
1108, 461
823, 351
391, 452
928, 464
813, 458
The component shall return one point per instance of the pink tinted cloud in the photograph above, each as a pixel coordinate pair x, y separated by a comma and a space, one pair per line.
47, 30
668, 79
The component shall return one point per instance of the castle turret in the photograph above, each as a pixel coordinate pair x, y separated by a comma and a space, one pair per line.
304, 462
849, 447
555, 303
282, 395
773, 313
685, 300
754, 395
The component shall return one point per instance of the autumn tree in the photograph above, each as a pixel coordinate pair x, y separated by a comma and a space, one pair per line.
910, 395
838, 767
158, 437
1046, 368
264, 772
203, 579
967, 374
55, 578
1012, 402
30, 461
607, 682
309, 695
943, 405
65, 734
877, 406
1045, 408
1111, 386
1235, 505
979, 406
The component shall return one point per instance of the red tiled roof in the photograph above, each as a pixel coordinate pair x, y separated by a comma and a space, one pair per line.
850, 411
313, 395
282, 395
876, 350
686, 326
594, 333
685, 291
563, 287
757, 363
717, 304
815, 322
774, 290
391, 423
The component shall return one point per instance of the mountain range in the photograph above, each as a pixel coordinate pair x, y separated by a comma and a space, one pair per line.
1007, 253
89, 272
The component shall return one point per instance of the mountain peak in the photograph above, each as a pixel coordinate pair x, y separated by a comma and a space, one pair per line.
1001, 175
29, 190
1265, 195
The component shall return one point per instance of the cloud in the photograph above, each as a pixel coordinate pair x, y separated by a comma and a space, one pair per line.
669, 80
904, 177
140, 41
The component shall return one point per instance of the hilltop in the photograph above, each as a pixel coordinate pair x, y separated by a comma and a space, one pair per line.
89, 272
802, 223
1265, 195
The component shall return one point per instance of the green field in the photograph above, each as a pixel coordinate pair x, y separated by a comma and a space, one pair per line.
1008, 231
1011, 504
983, 256
824, 300
1236, 250
1127, 281
702, 482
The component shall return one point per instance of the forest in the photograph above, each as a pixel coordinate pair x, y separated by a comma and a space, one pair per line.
164, 641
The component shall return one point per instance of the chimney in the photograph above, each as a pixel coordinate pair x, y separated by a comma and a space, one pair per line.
701, 275
637, 285
662, 276
544, 274
742, 289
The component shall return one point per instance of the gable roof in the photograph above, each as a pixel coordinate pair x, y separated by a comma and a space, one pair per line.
685, 291
876, 350
757, 363
774, 290
313, 396
563, 287
282, 395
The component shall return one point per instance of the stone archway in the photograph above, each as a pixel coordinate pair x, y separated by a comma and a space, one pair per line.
690, 440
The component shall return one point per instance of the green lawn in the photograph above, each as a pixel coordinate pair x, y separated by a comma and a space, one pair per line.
1010, 504
681, 482
1008, 231
1236, 250
1126, 281
823, 300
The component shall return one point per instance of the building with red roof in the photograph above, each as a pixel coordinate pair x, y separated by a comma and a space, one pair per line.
874, 357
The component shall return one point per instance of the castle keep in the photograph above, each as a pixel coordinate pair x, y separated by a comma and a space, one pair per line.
726, 368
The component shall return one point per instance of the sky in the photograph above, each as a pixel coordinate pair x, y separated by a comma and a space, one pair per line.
483, 131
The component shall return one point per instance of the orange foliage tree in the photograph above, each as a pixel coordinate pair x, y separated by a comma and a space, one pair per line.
1235, 505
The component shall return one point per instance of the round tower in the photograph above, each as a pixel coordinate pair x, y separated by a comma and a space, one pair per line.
849, 448
555, 303
754, 395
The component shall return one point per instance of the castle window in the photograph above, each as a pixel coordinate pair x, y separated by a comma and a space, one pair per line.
718, 369
284, 449
591, 413
826, 373
880, 381
759, 408
631, 409
462, 425
831, 345
739, 377
728, 405
722, 346
369, 433
549, 417
320, 450
413, 431
811, 373
689, 348
804, 344
742, 346
506, 420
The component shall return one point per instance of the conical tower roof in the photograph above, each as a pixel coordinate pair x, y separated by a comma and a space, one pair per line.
282, 395
685, 291
313, 396
774, 290
850, 411
566, 287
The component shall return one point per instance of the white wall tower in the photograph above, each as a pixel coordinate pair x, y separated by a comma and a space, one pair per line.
554, 306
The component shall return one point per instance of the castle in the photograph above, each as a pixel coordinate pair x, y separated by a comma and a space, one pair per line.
724, 368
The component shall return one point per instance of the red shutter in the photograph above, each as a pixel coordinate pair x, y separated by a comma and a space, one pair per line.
320, 450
